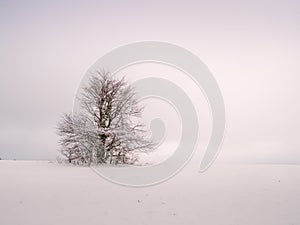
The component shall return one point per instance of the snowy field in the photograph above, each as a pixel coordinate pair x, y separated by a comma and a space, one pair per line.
44, 193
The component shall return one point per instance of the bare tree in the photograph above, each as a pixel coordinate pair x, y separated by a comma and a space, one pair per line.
108, 129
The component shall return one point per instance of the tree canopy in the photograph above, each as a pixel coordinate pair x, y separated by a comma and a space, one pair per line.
107, 129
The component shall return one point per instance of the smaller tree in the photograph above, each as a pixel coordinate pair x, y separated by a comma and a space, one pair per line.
107, 129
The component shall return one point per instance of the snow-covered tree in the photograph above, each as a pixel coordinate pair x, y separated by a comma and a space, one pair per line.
107, 130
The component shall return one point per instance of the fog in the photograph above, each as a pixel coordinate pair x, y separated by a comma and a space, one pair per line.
252, 49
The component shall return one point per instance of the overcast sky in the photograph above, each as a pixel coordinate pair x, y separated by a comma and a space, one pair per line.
251, 47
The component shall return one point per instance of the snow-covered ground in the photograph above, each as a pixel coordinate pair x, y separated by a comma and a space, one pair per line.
42, 193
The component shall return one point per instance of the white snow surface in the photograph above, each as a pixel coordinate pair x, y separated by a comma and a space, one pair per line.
44, 193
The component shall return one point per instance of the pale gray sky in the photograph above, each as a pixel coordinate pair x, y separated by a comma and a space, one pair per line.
251, 47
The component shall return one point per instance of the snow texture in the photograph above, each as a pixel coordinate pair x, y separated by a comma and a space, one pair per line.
35, 193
